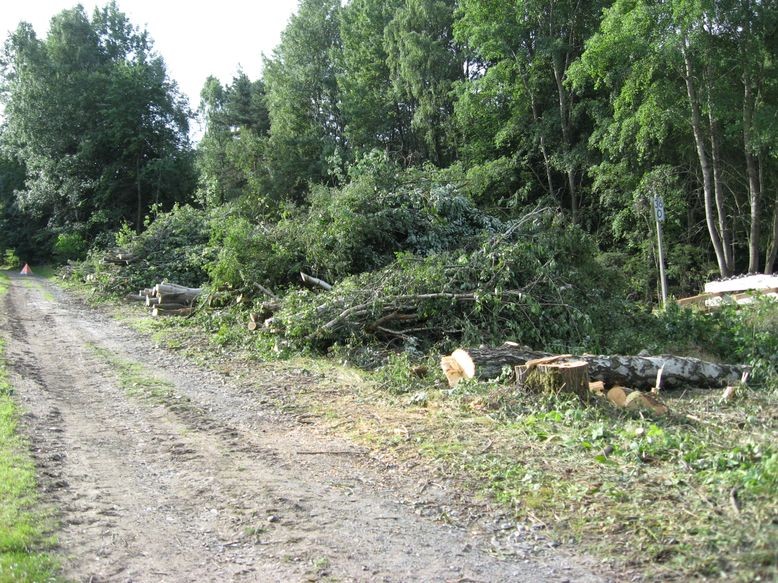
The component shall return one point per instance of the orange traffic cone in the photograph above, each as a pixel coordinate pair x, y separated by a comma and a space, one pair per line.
26, 270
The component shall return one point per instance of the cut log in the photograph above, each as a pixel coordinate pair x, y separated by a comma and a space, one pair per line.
253, 322
630, 399
639, 372
453, 370
169, 306
134, 298
149, 291
178, 297
484, 363
555, 377
182, 311
597, 388
153, 301
617, 396
173, 288
310, 280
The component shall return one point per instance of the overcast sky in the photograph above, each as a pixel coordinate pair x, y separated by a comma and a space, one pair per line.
195, 39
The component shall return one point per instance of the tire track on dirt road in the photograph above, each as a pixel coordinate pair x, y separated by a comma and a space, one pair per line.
213, 488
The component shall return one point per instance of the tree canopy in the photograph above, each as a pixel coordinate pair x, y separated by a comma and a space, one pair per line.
91, 114
591, 108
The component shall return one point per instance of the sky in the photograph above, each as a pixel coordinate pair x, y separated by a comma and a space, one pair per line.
195, 39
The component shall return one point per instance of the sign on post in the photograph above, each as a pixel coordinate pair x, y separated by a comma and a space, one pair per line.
659, 209
659, 214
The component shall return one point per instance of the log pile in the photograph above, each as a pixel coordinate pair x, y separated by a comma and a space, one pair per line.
622, 381
168, 299
639, 372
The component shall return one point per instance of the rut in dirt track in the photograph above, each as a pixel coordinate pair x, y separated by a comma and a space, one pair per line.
220, 487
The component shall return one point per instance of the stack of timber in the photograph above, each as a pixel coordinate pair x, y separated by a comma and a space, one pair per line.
639, 372
168, 299
736, 290
119, 258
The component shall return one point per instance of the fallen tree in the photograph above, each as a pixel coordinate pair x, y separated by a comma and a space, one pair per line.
639, 372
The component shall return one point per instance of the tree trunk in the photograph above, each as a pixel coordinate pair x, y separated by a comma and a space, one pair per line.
139, 214
707, 174
719, 188
536, 120
773, 249
556, 377
639, 372
564, 118
754, 190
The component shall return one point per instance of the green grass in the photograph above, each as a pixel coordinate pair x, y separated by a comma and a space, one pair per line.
135, 379
23, 539
690, 496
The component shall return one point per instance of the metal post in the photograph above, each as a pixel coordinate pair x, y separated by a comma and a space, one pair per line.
659, 214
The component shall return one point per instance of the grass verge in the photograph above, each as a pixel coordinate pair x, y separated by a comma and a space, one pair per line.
689, 496
23, 539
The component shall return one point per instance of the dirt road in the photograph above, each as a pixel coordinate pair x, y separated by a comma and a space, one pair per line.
215, 484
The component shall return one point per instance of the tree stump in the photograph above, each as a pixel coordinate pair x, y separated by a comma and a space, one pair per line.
556, 377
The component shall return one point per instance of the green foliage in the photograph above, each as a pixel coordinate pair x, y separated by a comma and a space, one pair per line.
229, 156
246, 254
94, 120
536, 283
11, 259
174, 247
745, 334
303, 99
373, 111
70, 246
424, 63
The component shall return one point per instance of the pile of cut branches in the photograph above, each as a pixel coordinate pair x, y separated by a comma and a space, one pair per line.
536, 283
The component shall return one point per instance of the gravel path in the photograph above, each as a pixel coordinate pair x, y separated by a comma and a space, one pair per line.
215, 484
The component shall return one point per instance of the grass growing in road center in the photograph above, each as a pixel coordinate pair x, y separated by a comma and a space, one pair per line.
23, 542
134, 379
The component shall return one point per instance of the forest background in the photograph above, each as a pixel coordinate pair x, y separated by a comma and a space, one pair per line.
506, 153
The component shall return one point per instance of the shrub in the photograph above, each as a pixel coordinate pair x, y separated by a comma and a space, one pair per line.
536, 283
173, 247
70, 246
10, 259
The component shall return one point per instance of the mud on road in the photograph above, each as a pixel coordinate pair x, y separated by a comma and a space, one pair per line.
214, 484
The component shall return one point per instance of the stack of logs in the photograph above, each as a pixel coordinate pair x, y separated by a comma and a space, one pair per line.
628, 382
168, 299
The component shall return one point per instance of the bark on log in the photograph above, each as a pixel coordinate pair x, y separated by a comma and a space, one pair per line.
178, 297
173, 288
183, 311
152, 301
634, 371
134, 298
310, 280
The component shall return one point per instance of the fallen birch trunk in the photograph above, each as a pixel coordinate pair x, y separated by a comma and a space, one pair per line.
639, 372
310, 280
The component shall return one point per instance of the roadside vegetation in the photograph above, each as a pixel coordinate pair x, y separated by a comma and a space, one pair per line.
24, 541
447, 175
